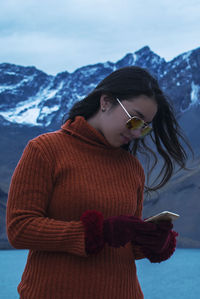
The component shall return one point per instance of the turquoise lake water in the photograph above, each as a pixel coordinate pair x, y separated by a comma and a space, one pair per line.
177, 278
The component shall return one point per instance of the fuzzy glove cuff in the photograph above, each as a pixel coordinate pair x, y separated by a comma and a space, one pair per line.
93, 224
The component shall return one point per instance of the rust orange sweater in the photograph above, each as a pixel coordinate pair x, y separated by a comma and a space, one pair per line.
59, 176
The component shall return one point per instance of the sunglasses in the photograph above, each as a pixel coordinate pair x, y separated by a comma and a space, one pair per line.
135, 123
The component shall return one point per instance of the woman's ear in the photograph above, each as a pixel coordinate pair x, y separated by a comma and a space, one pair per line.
105, 102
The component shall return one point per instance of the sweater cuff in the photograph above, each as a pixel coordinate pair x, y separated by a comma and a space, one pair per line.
93, 224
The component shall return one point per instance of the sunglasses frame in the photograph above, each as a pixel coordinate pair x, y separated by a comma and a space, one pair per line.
143, 127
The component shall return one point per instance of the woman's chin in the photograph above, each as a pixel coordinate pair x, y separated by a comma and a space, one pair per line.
125, 140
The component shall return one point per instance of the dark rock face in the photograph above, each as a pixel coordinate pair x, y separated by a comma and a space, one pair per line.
32, 103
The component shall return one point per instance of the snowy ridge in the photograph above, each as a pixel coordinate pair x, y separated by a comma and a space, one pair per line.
29, 96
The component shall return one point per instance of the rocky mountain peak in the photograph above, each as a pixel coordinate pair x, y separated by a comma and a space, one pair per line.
31, 97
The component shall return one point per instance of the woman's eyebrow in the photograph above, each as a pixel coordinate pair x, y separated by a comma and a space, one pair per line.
139, 114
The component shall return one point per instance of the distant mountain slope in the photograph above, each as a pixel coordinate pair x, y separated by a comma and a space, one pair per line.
182, 196
4, 244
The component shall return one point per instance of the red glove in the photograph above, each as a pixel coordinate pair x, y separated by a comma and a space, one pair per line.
165, 246
116, 231
155, 241
119, 230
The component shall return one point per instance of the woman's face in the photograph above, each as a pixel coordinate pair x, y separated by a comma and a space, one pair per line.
112, 121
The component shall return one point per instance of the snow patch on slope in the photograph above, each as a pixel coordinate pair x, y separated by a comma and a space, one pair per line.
28, 112
195, 94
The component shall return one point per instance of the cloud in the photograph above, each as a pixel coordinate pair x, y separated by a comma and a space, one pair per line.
48, 52
59, 35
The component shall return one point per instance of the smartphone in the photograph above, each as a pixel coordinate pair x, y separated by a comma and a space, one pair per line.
165, 215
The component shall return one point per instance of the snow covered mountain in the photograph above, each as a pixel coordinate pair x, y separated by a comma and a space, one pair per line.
29, 96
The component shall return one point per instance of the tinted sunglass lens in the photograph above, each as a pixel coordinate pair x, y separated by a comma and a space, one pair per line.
134, 123
146, 131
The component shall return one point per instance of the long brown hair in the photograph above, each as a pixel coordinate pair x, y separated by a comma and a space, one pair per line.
129, 82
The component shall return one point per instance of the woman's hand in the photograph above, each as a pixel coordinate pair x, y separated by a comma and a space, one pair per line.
164, 246
158, 245
166, 253
117, 231
157, 239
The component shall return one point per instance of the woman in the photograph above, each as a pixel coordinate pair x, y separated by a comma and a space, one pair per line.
76, 195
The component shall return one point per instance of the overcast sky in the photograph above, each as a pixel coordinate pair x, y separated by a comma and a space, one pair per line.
60, 35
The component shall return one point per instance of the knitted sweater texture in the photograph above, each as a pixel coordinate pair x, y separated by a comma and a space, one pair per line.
59, 176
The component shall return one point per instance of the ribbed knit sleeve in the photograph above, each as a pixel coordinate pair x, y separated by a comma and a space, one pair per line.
138, 254
28, 227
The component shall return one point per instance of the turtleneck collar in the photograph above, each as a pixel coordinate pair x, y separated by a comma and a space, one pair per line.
81, 129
